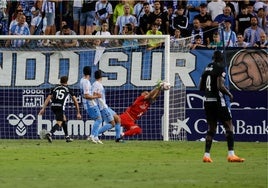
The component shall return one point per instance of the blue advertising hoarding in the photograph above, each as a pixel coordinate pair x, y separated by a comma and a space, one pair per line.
24, 80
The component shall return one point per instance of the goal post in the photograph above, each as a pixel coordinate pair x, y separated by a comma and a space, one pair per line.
28, 72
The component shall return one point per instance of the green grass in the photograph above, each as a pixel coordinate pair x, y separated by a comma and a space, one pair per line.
148, 164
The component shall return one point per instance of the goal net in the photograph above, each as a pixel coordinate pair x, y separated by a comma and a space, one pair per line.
28, 72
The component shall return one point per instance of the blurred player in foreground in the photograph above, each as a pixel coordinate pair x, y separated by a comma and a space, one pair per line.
137, 109
58, 97
212, 83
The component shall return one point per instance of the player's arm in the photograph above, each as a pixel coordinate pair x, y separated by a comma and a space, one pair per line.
87, 94
47, 101
153, 94
78, 115
91, 97
222, 88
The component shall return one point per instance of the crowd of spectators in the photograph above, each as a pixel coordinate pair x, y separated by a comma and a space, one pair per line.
209, 24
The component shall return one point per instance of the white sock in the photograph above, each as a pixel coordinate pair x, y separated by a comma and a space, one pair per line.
207, 154
231, 153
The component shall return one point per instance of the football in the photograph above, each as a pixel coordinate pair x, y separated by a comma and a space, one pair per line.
166, 86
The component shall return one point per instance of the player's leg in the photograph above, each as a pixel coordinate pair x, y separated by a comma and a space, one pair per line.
107, 116
228, 126
211, 116
94, 113
59, 119
209, 139
131, 128
118, 136
65, 129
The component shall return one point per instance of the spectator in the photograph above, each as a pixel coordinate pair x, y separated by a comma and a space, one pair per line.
125, 19
16, 20
63, 23
197, 44
38, 27
159, 13
17, 10
26, 7
176, 41
119, 10
36, 9
205, 23
48, 8
38, 24
63, 43
3, 18
263, 42
193, 8
158, 21
246, 3
215, 8
197, 30
63, 12
251, 9
252, 33
170, 16
97, 43
230, 4
144, 20
19, 29
104, 11
87, 18
227, 35
11, 9
129, 44
216, 42
180, 21
77, 7
261, 18
240, 43
225, 16
154, 43
104, 31
243, 20
139, 10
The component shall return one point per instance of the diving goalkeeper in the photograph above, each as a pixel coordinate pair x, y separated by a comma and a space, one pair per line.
136, 110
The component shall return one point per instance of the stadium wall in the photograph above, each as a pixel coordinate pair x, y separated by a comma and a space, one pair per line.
21, 72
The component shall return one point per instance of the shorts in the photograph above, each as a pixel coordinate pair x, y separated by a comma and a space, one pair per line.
107, 115
214, 112
93, 112
50, 19
87, 18
59, 113
76, 13
127, 122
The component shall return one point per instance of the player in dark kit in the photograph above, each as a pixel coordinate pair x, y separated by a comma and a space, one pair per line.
58, 97
212, 83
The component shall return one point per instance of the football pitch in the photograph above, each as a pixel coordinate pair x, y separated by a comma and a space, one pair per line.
141, 164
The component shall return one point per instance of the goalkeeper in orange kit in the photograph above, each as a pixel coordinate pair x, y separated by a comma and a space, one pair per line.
137, 109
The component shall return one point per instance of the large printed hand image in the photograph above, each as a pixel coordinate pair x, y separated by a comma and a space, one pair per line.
248, 70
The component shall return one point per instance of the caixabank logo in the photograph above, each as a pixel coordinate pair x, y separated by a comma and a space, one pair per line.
246, 128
